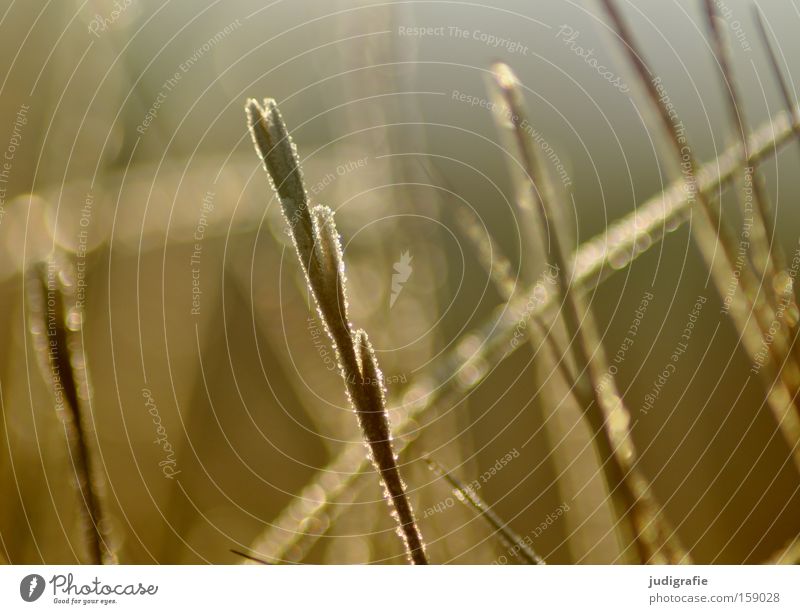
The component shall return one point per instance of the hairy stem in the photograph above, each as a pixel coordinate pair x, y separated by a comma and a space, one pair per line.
318, 247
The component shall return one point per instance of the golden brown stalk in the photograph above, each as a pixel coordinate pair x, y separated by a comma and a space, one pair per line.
318, 247
603, 408
55, 323
375, 426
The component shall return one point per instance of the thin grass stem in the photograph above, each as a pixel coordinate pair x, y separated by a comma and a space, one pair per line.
468, 496
602, 406
318, 247
250, 557
55, 323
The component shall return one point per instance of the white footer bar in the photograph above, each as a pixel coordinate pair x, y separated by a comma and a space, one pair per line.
400, 590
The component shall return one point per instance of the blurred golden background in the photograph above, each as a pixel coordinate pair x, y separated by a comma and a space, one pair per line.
215, 399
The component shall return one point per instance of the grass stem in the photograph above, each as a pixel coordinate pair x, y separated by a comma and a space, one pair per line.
318, 247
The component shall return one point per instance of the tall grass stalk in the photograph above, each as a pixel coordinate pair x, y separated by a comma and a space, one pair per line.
318, 247
602, 406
